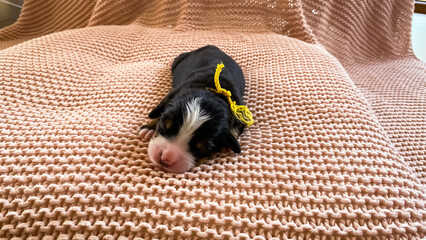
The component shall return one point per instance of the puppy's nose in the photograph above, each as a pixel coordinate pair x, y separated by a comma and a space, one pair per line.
169, 157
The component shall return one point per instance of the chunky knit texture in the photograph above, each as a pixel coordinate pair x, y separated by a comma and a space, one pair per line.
374, 46
337, 149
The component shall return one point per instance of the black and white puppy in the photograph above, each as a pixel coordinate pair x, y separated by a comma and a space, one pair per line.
193, 122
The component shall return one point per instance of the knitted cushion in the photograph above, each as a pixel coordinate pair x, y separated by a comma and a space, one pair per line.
319, 161
372, 41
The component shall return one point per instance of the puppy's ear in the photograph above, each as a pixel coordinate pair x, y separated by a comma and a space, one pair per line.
232, 142
159, 109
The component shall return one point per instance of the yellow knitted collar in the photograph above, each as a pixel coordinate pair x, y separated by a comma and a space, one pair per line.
241, 112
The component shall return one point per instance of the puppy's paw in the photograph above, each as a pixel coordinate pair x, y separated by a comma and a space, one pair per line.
146, 133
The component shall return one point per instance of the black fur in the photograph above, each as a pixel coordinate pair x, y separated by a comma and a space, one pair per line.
193, 72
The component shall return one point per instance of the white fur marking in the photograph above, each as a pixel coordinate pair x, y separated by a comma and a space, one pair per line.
194, 118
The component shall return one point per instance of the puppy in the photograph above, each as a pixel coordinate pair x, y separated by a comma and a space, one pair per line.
192, 122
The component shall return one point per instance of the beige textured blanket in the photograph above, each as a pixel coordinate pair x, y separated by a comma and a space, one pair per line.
337, 149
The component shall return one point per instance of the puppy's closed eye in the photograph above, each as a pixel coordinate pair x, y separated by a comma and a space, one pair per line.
167, 123
202, 145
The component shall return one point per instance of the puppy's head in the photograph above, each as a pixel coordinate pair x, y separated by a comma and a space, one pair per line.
191, 128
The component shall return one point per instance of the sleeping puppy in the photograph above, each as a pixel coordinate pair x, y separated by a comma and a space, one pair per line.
192, 122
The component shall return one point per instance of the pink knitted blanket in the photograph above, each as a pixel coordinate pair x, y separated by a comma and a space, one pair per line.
337, 150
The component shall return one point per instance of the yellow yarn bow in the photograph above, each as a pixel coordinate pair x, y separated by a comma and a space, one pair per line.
241, 112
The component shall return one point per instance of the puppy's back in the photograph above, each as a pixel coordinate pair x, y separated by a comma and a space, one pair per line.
202, 63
